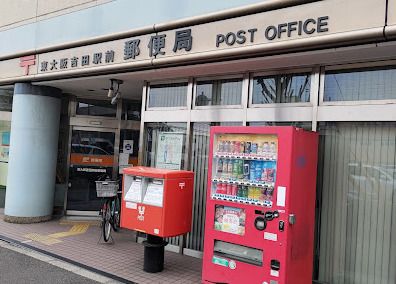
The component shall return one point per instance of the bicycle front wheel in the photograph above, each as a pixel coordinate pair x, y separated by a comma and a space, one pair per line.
106, 226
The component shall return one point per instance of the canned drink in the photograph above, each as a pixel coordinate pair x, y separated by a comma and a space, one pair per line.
225, 146
260, 149
246, 191
223, 188
220, 146
232, 146
251, 192
225, 169
234, 189
253, 148
267, 177
240, 169
242, 147
252, 171
219, 167
248, 147
237, 147
229, 169
235, 169
257, 193
218, 188
273, 150
228, 189
266, 150
270, 175
229, 150
264, 175
262, 194
268, 193
246, 170
258, 170
239, 191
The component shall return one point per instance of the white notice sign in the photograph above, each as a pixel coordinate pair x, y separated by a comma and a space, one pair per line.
123, 162
281, 196
169, 150
154, 194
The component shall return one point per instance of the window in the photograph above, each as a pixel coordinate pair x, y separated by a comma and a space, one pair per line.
131, 110
5, 100
5, 130
289, 88
357, 182
300, 124
92, 142
219, 92
168, 95
96, 108
360, 84
199, 165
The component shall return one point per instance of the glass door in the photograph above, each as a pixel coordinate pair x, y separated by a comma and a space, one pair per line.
91, 159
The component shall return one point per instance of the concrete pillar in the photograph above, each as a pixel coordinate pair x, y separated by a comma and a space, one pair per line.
33, 154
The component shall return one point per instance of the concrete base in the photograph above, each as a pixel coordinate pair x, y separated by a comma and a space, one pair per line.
26, 220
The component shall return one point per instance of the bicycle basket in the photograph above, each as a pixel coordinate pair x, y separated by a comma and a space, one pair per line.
106, 188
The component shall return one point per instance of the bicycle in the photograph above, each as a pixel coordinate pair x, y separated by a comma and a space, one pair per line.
110, 210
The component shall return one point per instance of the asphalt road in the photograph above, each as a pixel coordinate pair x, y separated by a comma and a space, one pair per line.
17, 268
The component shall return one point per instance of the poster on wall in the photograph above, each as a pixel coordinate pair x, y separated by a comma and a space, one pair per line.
4, 153
169, 150
5, 139
230, 220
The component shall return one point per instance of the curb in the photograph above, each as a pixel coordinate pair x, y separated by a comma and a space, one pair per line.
67, 260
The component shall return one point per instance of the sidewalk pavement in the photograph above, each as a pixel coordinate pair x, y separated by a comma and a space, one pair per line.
25, 266
79, 243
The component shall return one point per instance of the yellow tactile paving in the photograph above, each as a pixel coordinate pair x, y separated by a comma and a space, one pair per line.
75, 222
46, 240
75, 230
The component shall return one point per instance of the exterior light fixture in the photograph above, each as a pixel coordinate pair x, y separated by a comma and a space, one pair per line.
111, 91
114, 87
114, 100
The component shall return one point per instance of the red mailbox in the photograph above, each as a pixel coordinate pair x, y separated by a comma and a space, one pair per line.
157, 201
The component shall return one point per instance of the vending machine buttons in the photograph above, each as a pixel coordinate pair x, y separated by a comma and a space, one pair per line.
281, 226
269, 215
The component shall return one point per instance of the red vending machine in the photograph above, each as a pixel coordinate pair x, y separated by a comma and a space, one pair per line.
260, 210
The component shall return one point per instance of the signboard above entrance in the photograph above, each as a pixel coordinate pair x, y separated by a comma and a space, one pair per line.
309, 25
145, 48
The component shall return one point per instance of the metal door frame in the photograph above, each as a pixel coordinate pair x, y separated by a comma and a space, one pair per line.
89, 127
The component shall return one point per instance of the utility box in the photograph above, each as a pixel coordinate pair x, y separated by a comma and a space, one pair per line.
157, 202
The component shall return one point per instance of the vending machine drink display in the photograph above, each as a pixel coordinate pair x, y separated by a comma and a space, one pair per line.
157, 202
260, 209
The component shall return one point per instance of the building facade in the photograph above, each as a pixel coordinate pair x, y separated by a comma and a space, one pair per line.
327, 66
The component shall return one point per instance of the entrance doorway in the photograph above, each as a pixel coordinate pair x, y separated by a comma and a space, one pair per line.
92, 158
